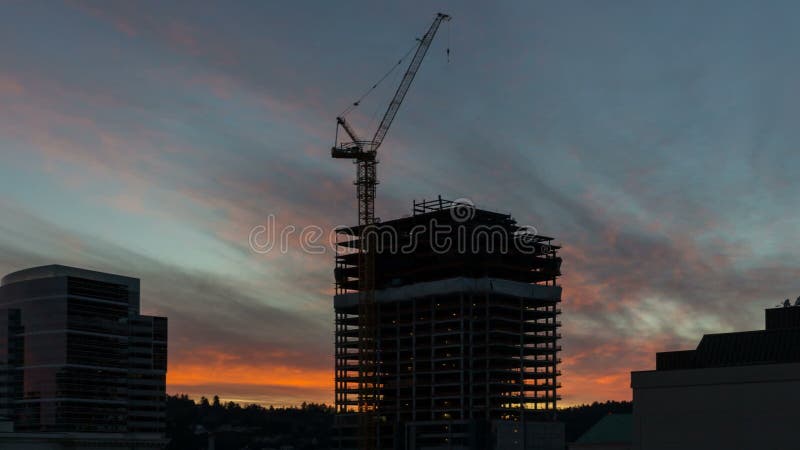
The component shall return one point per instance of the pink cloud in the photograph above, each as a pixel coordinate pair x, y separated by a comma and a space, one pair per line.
120, 22
10, 86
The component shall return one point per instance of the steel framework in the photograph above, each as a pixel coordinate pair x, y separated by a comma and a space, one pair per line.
465, 337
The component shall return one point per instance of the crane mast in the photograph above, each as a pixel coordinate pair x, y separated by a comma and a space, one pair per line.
363, 153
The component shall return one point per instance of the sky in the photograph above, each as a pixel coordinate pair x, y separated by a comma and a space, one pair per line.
656, 141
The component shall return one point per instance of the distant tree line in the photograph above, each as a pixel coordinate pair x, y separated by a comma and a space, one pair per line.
191, 424
233, 426
578, 419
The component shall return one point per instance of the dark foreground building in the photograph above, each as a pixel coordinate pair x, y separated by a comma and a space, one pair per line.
611, 432
79, 366
467, 333
735, 390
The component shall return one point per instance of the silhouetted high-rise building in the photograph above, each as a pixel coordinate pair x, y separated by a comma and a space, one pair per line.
79, 365
465, 330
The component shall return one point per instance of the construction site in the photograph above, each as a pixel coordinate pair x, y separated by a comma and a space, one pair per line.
446, 320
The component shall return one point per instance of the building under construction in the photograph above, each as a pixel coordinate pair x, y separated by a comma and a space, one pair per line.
465, 346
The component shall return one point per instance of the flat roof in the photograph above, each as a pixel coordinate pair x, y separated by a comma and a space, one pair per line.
57, 270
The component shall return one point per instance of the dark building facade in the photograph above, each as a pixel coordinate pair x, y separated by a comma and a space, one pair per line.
78, 357
734, 390
467, 332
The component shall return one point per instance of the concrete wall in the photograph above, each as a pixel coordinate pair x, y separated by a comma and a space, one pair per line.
494, 435
456, 285
620, 446
30, 446
81, 441
528, 436
748, 407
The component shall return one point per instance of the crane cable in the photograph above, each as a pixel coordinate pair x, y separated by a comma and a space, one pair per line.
355, 104
376, 113
448, 42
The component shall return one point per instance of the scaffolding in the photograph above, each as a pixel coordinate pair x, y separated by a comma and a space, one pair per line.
464, 335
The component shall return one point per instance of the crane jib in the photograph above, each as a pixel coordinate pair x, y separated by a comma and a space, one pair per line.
397, 99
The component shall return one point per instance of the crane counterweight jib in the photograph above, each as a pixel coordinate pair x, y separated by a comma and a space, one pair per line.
352, 151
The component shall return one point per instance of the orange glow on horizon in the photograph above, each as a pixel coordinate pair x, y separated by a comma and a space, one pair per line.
265, 379
257, 375
244, 380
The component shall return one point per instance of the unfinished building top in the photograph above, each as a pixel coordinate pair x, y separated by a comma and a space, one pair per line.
446, 239
449, 211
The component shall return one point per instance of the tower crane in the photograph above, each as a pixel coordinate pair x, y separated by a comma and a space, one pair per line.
364, 155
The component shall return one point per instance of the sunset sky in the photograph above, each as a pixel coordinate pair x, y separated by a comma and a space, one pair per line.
656, 141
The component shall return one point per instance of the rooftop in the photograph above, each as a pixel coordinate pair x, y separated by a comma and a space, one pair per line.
779, 343
445, 239
611, 429
56, 270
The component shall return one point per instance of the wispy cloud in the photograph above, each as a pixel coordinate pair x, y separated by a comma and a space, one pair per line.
149, 138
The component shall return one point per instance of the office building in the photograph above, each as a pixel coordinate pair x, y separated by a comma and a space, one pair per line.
80, 367
735, 390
